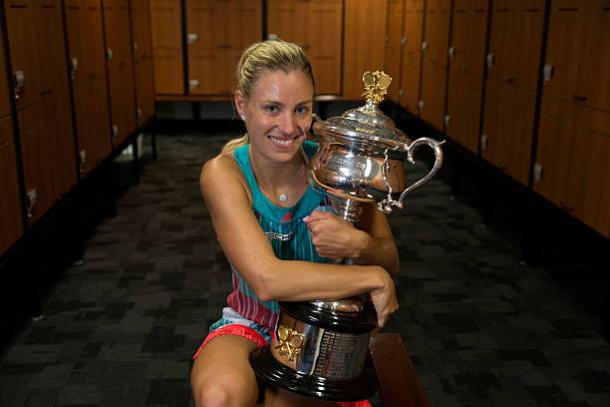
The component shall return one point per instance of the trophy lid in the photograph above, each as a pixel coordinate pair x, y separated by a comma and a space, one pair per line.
366, 124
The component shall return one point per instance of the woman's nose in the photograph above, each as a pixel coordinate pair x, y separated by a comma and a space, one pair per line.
288, 123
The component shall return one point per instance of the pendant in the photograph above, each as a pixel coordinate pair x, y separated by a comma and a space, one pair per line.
283, 198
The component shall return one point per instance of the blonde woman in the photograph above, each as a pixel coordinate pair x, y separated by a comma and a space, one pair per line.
277, 232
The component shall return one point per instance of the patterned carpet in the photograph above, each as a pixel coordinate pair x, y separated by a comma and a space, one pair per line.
482, 328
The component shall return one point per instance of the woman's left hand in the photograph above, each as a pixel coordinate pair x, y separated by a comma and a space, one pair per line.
334, 237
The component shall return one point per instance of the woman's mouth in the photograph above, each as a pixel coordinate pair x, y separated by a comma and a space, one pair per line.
284, 142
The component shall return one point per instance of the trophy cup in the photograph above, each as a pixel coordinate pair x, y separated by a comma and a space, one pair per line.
320, 348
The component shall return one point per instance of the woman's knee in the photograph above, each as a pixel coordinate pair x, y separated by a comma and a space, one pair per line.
225, 390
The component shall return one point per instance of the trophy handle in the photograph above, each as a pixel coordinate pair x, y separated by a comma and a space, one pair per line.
387, 204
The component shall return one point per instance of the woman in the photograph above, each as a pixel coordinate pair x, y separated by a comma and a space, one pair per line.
276, 231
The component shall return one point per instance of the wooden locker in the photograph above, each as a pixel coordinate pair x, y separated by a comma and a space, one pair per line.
21, 17
53, 48
508, 126
316, 26
432, 105
466, 56
598, 58
141, 29
35, 145
145, 91
465, 95
364, 34
92, 124
122, 103
411, 55
468, 36
565, 60
166, 24
435, 62
393, 48
58, 115
5, 107
572, 159
117, 33
323, 44
11, 227
515, 42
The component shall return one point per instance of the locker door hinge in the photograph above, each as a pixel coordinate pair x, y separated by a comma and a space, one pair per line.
420, 105
31, 201
82, 160
538, 172
19, 83
192, 37
483, 141
548, 71
73, 67
193, 83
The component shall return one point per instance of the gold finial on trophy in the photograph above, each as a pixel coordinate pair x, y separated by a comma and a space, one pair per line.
376, 86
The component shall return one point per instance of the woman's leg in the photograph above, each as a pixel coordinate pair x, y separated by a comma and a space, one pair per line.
222, 375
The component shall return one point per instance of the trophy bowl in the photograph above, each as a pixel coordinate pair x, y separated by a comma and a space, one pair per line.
320, 348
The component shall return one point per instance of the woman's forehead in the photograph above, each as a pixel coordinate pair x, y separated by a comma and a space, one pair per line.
280, 85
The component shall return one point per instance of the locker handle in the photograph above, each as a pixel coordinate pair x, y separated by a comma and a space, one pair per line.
19, 83
490, 60
484, 142
451, 53
403, 41
548, 72
82, 160
192, 37
193, 83
108, 54
424, 46
538, 172
31, 201
73, 67
135, 49
579, 98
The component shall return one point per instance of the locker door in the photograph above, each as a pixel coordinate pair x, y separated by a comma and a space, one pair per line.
21, 18
504, 16
554, 151
598, 60
145, 91
508, 127
94, 36
166, 24
411, 56
393, 48
53, 49
75, 27
286, 20
37, 171
61, 136
5, 109
364, 33
248, 15
112, 33
526, 49
464, 109
568, 31
142, 34
323, 44
596, 145
123, 111
11, 227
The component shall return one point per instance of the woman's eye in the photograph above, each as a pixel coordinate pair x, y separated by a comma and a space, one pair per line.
271, 109
302, 110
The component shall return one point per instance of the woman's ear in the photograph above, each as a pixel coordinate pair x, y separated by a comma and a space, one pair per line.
240, 103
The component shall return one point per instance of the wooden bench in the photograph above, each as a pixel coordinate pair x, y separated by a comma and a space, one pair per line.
398, 383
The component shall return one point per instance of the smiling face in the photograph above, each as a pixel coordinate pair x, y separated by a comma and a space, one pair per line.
278, 113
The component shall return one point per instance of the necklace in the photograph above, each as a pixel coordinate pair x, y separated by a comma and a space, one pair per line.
282, 196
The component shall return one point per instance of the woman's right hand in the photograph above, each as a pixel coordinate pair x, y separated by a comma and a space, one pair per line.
384, 298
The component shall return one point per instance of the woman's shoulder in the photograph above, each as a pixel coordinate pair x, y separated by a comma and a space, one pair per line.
219, 170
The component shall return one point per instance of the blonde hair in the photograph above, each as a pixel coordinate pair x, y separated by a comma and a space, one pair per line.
270, 55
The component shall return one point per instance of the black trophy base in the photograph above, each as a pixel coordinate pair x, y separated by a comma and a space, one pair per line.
273, 372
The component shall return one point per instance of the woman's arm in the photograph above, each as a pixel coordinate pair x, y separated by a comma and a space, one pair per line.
371, 243
247, 248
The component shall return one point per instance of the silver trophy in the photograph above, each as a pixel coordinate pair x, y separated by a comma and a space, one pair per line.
320, 348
